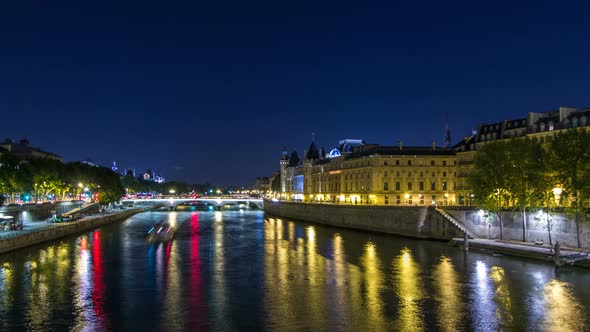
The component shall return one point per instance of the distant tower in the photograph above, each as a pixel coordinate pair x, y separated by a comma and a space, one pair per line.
447, 134
283, 170
114, 167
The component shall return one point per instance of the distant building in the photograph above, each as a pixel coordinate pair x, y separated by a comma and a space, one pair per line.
130, 172
24, 150
261, 184
150, 175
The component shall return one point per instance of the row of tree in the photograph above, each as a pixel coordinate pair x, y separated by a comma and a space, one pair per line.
524, 175
41, 179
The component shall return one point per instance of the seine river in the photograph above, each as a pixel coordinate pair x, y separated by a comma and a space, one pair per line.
240, 271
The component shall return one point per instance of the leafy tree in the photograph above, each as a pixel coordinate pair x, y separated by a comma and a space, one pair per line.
525, 173
569, 153
489, 178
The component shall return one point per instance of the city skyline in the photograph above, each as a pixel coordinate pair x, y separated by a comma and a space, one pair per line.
194, 89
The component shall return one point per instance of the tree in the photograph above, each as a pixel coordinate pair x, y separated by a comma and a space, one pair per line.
525, 174
489, 178
569, 156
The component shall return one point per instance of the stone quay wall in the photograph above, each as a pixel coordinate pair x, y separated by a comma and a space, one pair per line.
37, 211
563, 226
56, 231
418, 222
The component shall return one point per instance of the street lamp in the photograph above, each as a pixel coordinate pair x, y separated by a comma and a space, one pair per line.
557, 191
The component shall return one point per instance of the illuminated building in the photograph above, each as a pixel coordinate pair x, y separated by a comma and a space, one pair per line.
360, 173
539, 126
355, 172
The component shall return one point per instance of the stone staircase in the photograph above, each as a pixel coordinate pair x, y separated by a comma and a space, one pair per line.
457, 223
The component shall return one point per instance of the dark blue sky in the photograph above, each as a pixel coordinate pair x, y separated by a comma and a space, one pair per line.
212, 90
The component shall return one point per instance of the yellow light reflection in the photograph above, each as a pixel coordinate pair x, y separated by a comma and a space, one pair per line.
407, 282
502, 296
563, 311
172, 219
448, 290
374, 283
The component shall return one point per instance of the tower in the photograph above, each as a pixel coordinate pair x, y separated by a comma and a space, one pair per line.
283, 169
447, 134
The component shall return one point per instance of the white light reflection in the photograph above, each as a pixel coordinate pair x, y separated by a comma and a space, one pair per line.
483, 307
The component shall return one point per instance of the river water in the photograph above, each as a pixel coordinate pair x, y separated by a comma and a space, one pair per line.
240, 271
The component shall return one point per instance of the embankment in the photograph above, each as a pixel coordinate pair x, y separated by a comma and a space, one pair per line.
55, 231
412, 221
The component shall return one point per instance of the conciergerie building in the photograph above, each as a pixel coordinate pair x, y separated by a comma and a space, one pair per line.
356, 172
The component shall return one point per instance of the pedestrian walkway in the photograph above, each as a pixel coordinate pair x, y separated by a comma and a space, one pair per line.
524, 250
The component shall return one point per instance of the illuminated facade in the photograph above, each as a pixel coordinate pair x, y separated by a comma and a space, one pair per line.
375, 175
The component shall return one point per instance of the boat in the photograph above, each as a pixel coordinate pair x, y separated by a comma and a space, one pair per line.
160, 232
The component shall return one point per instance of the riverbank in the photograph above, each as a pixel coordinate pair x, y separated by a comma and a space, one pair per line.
410, 221
545, 253
14, 240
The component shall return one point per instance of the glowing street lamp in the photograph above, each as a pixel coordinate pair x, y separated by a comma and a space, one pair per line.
557, 191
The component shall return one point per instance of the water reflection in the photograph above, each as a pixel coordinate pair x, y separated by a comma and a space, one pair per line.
409, 291
502, 296
448, 296
483, 308
231, 271
562, 311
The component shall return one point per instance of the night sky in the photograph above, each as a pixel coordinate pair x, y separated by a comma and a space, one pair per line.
212, 90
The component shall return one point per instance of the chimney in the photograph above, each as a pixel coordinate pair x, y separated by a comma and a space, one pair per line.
401, 145
433, 145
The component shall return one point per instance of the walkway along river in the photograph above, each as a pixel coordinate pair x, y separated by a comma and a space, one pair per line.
237, 270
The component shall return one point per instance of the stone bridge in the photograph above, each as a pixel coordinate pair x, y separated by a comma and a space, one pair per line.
216, 202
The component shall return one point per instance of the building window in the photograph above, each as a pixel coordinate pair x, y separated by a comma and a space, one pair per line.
397, 174
397, 163
421, 185
385, 186
409, 174
432, 174
385, 163
421, 174
444, 185
409, 185
444, 174
397, 186
386, 199
432, 163
410, 200
398, 199
385, 174
432, 185
421, 199
433, 199
550, 125
444, 163
409, 163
